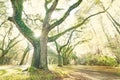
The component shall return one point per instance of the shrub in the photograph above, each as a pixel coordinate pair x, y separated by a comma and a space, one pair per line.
97, 59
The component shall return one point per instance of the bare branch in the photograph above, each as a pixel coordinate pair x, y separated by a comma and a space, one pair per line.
3, 23
114, 22
11, 43
28, 18
14, 44
58, 22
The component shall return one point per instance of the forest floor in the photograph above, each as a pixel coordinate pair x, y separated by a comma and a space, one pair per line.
71, 72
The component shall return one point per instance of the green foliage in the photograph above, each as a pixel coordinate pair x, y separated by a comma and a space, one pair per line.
114, 46
52, 56
97, 59
97, 1
5, 60
67, 53
32, 69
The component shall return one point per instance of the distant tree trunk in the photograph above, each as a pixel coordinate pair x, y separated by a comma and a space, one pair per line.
60, 60
24, 54
65, 61
1, 60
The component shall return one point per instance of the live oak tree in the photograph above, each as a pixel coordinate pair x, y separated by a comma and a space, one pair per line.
59, 49
65, 48
39, 59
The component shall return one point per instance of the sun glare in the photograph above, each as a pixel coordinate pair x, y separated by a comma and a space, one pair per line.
37, 34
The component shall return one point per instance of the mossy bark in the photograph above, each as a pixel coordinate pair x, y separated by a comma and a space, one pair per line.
36, 55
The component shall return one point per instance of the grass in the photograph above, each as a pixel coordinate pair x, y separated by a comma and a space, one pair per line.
2, 72
31, 74
37, 75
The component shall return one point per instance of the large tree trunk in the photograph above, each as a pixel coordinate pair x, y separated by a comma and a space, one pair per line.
43, 45
36, 55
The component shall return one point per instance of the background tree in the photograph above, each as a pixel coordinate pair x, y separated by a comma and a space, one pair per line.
26, 51
7, 43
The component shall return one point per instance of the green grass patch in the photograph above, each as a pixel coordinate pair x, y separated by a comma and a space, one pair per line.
18, 69
42, 75
2, 72
31, 74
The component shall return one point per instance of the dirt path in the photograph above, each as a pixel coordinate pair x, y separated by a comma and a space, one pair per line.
93, 73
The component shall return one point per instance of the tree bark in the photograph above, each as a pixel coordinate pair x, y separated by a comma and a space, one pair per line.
36, 55
60, 60
17, 6
65, 61
43, 45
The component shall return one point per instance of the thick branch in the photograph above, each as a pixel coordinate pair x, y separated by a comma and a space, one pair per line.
46, 3
57, 46
53, 38
17, 20
58, 22
49, 12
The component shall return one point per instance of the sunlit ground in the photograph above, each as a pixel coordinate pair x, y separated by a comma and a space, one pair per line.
71, 72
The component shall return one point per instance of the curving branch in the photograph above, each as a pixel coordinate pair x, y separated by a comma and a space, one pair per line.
59, 48
53, 38
58, 22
